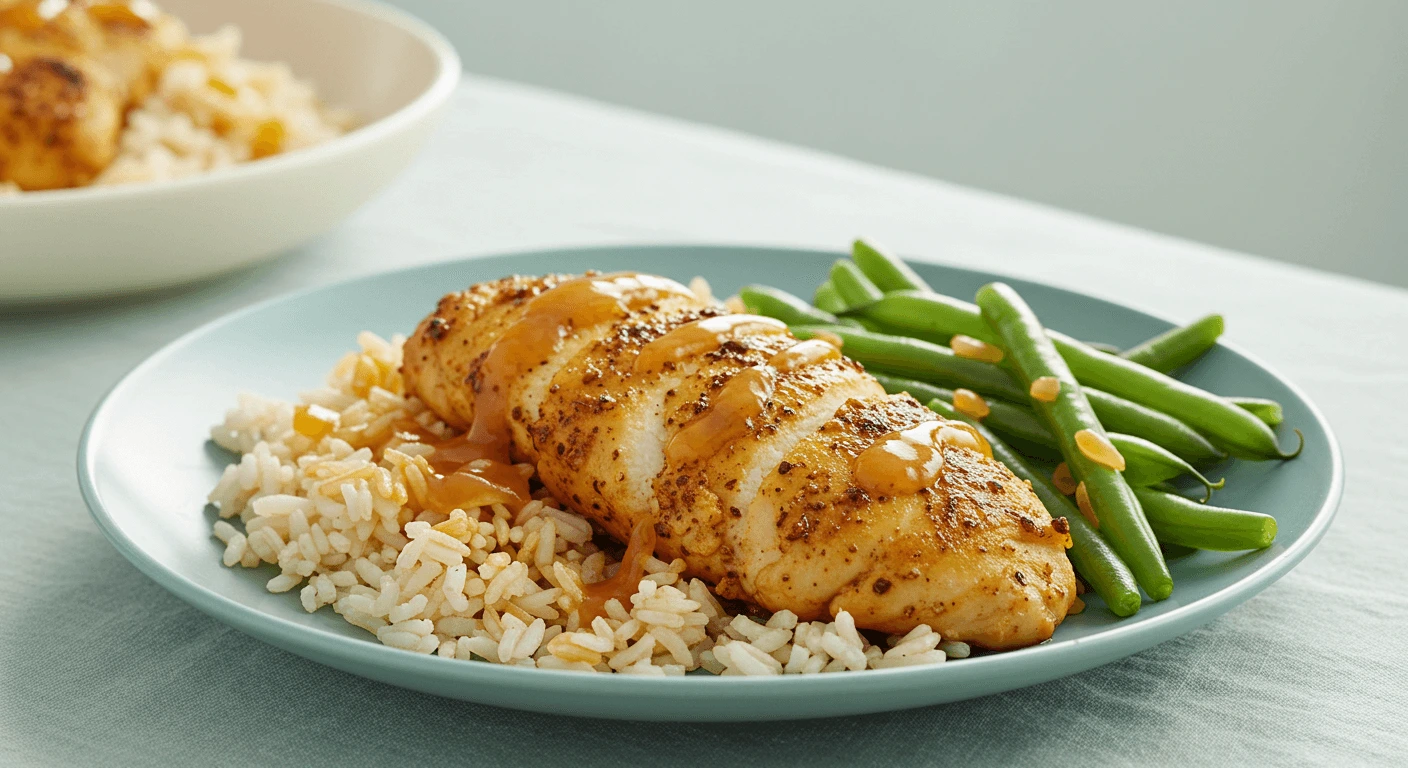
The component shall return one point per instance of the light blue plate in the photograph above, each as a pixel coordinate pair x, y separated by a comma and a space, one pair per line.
145, 468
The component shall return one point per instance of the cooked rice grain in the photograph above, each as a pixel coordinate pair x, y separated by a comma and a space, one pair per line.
485, 584
212, 109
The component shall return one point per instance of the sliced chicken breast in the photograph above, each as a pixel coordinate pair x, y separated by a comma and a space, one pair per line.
747, 451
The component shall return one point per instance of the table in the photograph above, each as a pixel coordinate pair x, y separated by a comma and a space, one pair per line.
98, 665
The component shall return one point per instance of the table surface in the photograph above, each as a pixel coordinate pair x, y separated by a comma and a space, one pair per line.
99, 665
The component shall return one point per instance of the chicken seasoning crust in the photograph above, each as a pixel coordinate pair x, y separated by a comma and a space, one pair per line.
468, 491
777, 470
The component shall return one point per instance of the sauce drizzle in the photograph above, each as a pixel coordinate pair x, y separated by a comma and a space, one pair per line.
901, 462
462, 481
624, 584
478, 484
729, 416
701, 336
741, 399
475, 469
906, 461
804, 353
547, 319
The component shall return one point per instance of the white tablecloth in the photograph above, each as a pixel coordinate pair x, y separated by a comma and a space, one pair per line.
99, 666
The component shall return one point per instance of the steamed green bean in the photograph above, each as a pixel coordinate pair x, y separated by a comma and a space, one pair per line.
1112, 500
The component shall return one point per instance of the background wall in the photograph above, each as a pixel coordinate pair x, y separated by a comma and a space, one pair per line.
1275, 127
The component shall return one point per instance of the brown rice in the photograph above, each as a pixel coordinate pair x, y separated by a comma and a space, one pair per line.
350, 533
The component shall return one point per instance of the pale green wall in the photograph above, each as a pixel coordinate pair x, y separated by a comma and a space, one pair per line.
1276, 128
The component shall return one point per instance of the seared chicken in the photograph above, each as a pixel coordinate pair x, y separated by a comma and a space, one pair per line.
67, 77
59, 123
778, 470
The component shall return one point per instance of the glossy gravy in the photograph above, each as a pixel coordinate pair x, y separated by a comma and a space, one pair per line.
741, 400
803, 354
547, 319
475, 469
624, 584
909, 460
728, 417
700, 337
478, 484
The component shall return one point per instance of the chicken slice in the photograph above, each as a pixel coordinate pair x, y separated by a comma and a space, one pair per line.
976, 556
59, 123
767, 506
604, 444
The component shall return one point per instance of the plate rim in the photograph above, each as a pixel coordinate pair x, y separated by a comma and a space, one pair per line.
1108, 645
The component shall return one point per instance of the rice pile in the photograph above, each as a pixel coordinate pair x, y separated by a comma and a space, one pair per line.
211, 109
353, 534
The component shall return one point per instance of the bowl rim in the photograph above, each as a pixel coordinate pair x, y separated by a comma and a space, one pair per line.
335, 650
447, 76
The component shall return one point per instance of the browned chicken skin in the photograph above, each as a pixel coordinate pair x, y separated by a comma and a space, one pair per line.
58, 124
70, 80
771, 512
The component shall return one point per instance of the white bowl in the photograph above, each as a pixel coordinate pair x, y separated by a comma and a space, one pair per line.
392, 70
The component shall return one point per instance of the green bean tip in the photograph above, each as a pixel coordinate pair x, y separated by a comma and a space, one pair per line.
1127, 605
1268, 530
1161, 589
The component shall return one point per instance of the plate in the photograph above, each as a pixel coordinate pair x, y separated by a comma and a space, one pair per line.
145, 468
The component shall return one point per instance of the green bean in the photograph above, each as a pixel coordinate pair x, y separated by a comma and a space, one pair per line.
1115, 413
1092, 556
1016, 424
781, 305
886, 328
1120, 415
1174, 551
1148, 464
1179, 346
1177, 520
1113, 502
869, 325
1234, 429
887, 272
853, 286
936, 318
827, 299
1268, 411
929, 315
919, 360
922, 391
1020, 426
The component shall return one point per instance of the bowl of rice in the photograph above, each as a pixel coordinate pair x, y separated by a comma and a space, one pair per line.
148, 146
